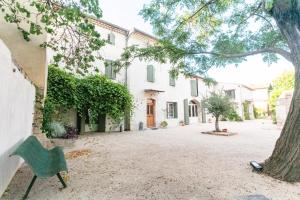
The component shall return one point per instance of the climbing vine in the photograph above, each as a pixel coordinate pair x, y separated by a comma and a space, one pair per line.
95, 94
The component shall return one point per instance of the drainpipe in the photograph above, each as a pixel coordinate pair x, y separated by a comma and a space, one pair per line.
127, 112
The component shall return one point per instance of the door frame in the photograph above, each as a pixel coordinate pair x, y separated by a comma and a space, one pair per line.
153, 103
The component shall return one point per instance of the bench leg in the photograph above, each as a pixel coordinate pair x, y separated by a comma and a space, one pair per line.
61, 180
29, 187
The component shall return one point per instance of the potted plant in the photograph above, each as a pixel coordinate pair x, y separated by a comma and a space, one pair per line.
163, 124
181, 123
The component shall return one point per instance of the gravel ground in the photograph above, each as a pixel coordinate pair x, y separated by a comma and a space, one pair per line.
173, 163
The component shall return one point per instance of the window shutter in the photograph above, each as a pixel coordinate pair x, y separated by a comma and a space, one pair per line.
113, 73
112, 38
194, 88
186, 112
175, 110
150, 73
171, 80
108, 71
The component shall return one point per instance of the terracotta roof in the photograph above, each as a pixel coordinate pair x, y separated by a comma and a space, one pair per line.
135, 30
110, 26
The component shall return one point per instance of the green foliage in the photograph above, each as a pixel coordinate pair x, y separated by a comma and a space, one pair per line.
282, 83
259, 113
209, 81
56, 130
269, 4
71, 35
246, 105
163, 124
233, 116
218, 104
197, 35
94, 94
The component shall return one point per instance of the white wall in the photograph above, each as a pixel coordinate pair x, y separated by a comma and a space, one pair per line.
282, 107
137, 77
17, 96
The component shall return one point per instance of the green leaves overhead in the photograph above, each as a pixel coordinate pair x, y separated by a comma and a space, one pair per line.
197, 35
71, 34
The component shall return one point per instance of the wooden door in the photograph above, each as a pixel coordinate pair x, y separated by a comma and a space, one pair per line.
150, 113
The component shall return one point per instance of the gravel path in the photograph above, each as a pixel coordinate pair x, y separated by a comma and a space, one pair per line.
168, 164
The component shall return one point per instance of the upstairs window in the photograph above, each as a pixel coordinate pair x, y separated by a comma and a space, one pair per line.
172, 110
111, 38
110, 70
194, 88
230, 93
172, 81
150, 73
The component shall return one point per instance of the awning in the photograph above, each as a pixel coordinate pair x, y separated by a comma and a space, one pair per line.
153, 90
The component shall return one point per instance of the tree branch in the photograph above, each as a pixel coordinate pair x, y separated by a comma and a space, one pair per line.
194, 14
284, 53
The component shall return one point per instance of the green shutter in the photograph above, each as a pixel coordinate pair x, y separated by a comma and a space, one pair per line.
175, 110
194, 88
113, 73
112, 39
171, 80
186, 112
108, 71
150, 73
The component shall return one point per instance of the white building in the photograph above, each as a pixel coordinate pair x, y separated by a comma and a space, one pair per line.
157, 96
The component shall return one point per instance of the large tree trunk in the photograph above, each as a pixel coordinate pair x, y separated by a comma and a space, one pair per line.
284, 162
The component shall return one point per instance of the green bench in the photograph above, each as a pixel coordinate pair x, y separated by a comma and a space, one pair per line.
43, 162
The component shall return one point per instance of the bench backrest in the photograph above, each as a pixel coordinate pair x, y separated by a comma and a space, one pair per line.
34, 154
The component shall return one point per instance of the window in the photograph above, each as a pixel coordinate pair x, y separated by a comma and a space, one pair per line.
172, 110
230, 93
150, 73
111, 38
193, 109
194, 88
110, 71
172, 81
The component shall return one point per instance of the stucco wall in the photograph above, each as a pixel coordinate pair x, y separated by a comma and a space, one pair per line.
282, 107
137, 76
30, 56
17, 96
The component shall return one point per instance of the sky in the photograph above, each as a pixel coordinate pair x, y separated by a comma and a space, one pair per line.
124, 13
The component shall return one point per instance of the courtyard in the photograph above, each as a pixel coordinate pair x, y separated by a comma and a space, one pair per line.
172, 163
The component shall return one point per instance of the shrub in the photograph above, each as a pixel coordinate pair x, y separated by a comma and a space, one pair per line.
71, 132
163, 124
56, 130
233, 116
95, 94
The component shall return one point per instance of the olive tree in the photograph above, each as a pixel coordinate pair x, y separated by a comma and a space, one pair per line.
219, 105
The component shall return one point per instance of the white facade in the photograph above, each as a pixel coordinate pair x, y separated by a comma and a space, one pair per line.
261, 98
17, 96
282, 106
240, 94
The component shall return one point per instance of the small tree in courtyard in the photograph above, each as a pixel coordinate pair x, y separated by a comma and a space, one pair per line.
219, 105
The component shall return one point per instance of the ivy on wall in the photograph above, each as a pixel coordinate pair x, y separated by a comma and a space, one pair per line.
246, 105
95, 94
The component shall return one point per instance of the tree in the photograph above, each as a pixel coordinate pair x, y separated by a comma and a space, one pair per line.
196, 35
219, 105
68, 24
282, 83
